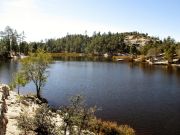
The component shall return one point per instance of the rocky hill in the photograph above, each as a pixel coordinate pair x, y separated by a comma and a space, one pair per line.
139, 39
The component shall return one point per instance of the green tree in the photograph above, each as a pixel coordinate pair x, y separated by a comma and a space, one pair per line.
35, 68
178, 52
3, 46
10, 36
152, 52
169, 54
19, 80
133, 50
24, 48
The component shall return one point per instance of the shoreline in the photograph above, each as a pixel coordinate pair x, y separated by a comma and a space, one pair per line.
15, 105
135, 59
113, 58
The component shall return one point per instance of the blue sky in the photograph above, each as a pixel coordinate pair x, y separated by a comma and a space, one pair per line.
42, 19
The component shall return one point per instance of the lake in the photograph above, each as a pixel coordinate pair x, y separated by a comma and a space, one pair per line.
143, 96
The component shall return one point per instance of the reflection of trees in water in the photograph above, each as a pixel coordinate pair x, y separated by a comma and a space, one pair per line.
83, 58
170, 70
151, 69
7, 69
146, 68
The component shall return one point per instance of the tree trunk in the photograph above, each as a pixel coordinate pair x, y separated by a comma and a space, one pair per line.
65, 130
38, 92
18, 90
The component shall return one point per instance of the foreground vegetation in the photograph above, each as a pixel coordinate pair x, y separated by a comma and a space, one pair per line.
73, 119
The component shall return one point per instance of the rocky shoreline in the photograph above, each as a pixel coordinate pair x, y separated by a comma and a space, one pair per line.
4, 93
11, 106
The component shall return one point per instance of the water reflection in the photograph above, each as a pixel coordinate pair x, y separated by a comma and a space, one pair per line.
82, 58
7, 69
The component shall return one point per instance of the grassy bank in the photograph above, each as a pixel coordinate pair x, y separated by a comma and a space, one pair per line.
56, 55
91, 56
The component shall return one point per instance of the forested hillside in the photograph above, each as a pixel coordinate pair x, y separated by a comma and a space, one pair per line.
99, 43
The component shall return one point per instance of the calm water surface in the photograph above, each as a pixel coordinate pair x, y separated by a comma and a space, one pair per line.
142, 96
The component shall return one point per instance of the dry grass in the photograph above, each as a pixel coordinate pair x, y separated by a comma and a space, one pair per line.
111, 128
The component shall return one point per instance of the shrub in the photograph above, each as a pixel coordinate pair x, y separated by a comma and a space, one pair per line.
77, 120
76, 115
110, 128
41, 122
25, 122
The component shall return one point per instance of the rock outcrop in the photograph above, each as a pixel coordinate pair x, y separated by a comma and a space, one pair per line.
11, 106
4, 94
